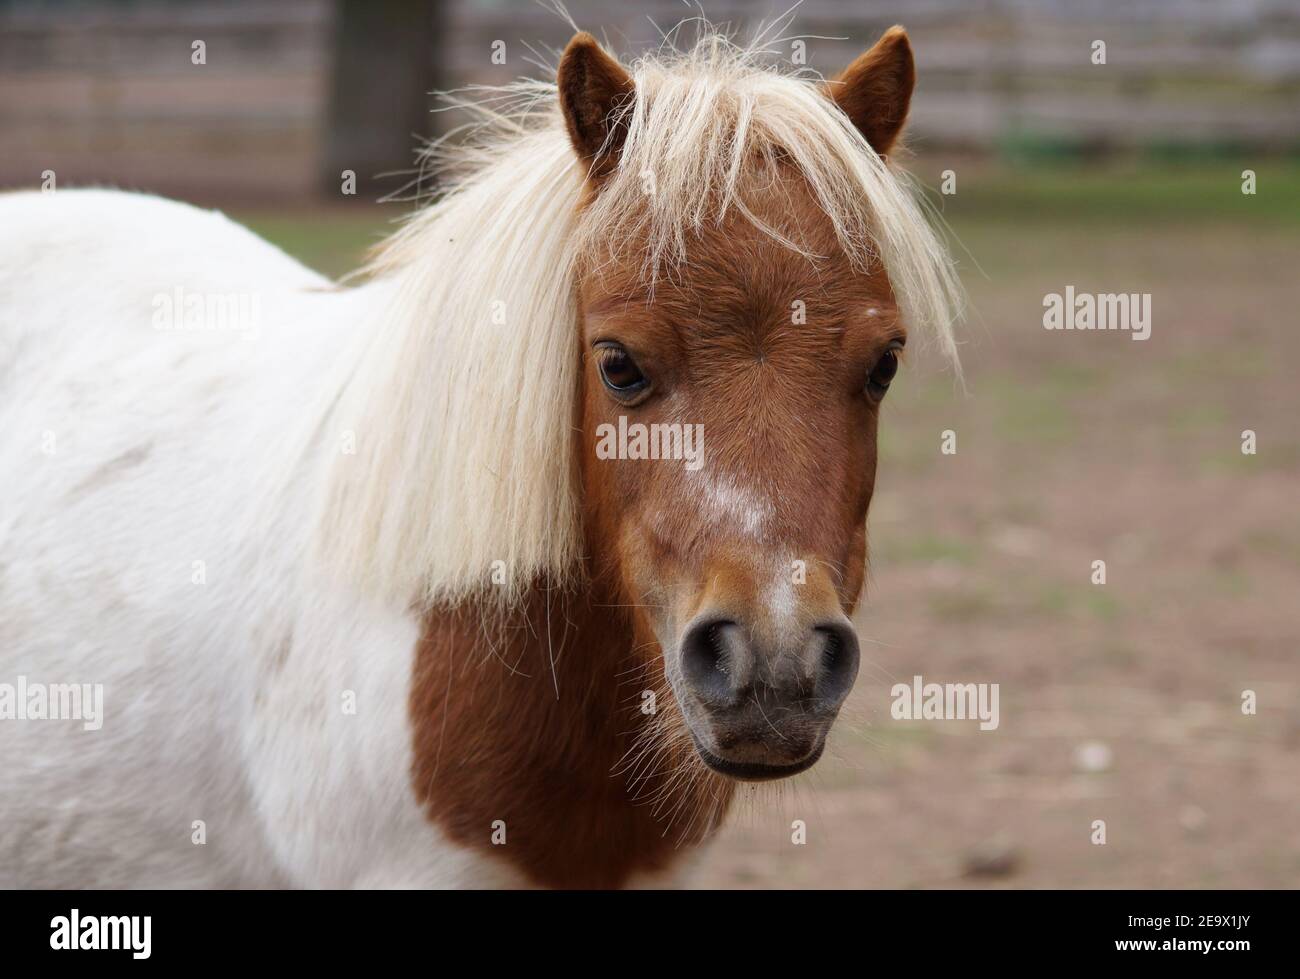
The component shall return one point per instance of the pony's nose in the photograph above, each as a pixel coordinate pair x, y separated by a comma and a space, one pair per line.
723, 667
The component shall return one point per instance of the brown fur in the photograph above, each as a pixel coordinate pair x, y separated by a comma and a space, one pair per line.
494, 741
533, 720
876, 90
592, 87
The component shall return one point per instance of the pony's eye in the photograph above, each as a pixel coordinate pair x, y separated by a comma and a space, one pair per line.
884, 371
619, 371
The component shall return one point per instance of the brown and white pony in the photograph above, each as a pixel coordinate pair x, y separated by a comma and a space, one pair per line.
502, 568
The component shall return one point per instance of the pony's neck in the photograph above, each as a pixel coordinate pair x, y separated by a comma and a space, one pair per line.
538, 722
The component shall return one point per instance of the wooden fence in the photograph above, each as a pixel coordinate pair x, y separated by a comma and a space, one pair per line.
109, 92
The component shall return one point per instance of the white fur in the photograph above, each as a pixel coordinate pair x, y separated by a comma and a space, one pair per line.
223, 701
727, 503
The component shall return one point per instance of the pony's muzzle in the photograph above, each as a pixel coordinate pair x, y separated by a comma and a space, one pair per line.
761, 710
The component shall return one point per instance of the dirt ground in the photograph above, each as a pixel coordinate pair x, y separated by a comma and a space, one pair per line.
1119, 702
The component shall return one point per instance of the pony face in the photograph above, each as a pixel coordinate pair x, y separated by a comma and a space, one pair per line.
729, 422
728, 412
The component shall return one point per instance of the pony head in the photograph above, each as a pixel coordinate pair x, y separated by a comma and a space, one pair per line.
638, 351
747, 275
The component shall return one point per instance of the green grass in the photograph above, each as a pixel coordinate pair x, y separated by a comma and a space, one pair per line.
1281, 543
963, 604
1122, 194
1281, 456
1232, 583
924, 548
331, 240
1031, 414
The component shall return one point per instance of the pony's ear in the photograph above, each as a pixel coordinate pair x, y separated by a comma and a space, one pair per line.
876, 90
594, 88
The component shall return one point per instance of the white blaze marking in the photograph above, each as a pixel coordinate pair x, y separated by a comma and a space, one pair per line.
747, 510
781, 603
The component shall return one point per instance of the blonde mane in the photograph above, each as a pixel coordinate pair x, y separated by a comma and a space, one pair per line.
462, 398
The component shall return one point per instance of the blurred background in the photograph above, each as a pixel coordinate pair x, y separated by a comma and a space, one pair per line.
1120, 702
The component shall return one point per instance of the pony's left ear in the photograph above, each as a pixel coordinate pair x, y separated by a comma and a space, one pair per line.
876, 90
594, 89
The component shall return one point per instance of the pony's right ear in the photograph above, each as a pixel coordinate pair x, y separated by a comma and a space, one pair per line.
594, 91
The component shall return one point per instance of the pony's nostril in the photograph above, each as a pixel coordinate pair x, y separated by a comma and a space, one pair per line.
839, 663
711, 659
713, 642
831, 653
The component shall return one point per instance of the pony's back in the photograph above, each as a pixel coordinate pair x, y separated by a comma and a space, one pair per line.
136, 441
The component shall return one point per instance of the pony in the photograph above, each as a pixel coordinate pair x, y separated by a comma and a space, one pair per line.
502, 564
